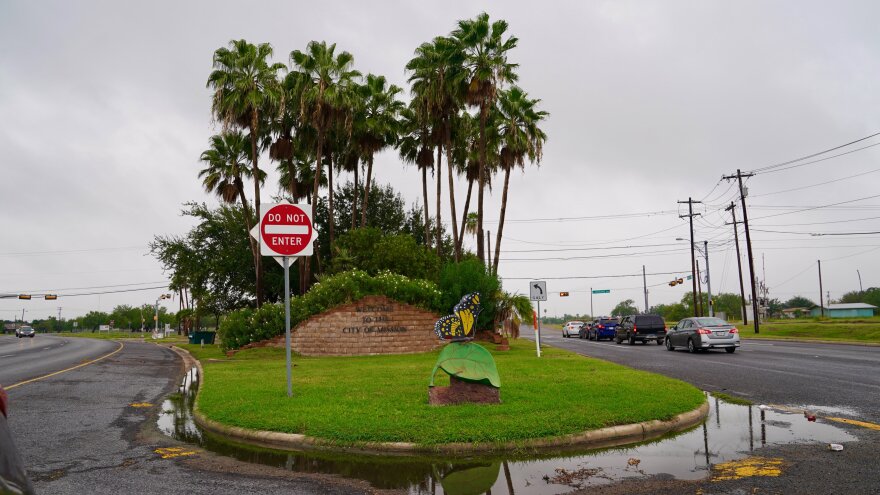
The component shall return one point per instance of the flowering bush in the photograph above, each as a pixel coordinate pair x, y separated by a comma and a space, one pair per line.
243, 326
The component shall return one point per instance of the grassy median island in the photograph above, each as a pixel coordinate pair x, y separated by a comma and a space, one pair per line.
384, 398
865, 330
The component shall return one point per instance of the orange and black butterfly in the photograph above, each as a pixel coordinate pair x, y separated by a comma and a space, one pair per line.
459, 326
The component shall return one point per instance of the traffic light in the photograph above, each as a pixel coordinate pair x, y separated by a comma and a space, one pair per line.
51, 297
26, 297
563, 294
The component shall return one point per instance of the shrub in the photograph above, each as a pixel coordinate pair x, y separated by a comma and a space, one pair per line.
244, 326
470, 275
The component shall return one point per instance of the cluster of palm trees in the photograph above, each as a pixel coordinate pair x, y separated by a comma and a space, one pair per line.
322, 115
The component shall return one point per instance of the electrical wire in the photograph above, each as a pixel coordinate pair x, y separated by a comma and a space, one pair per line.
807, 157
816, 185
597, 276
817, 207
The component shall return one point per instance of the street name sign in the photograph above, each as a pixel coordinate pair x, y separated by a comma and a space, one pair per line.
601, 291
538, 290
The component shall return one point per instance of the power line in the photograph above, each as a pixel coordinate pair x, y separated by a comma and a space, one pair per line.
817, 207
807, 157
92, 287
585, 218
817, 185
72, 251
616, 255
594, 276
816, 223
816, 234
589, 248
820, 160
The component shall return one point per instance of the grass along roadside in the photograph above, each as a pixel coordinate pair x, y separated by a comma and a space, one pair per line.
856, 331
122, 335
384, 398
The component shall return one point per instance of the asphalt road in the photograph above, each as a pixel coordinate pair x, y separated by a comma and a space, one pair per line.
839, 379
26, 358
92, 429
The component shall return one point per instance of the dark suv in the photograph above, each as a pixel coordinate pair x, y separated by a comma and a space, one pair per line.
641, 327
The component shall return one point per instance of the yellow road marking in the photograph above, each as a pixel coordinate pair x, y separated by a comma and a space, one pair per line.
747, 468
141, 404
863, 424
172, 452
65, 370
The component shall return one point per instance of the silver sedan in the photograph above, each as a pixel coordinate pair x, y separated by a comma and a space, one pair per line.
703, 333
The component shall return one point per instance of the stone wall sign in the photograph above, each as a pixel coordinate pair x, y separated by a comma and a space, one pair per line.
372, 325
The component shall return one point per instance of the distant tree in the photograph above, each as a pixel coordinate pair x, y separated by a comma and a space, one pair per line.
869, 296
623, 308
799, 302
370, 250
671, 312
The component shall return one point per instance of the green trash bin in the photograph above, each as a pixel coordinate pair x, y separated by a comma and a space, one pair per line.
202, 337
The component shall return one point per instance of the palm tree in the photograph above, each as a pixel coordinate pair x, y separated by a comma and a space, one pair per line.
325, 97
376, 127
438, 82
246, 87
486, 63
521, 138
511, 310
414, 147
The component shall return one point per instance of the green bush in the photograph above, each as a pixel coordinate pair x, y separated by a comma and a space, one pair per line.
470, 275
244, 326
369, 250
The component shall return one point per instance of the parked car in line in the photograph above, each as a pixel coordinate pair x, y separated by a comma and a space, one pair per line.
703, 333
25, 332
603, 328
13, 477
571, 328
641, 328
584, 332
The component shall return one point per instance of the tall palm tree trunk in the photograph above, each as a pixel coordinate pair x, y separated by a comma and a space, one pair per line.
452, 205
294, 190
425, 199
330, 220
484, 114
308, 270
439, 169
356, 192
258, 260
255, 248
367, 190
501, 220
464, 214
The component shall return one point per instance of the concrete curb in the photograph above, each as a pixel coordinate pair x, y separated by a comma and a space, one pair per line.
611, 436
810, 341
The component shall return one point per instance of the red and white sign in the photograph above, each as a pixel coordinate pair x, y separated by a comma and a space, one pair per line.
286, 230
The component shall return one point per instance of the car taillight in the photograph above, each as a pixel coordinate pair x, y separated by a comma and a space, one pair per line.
703, 331
600, 327
734, 330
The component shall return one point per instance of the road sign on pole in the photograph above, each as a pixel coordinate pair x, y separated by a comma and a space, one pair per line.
601, 291
538, 290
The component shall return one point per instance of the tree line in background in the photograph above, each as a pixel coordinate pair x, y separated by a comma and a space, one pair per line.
319, 116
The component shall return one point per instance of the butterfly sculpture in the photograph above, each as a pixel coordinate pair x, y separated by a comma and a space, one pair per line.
459, 326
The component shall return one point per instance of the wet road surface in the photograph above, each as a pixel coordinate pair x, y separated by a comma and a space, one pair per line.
838, 379
26, 358
92, 430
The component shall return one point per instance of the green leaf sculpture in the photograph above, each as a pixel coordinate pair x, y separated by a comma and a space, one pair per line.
467, 361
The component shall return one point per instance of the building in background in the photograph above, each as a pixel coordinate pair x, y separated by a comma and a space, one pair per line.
850, 310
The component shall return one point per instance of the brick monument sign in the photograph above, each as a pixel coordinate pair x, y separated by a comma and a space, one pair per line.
372, 325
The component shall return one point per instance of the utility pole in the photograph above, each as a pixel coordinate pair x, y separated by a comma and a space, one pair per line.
742, 197
699, 290
645, 285
58, 323
690, 202
708, 283
739, 270
821, 303
860, 282
591, 303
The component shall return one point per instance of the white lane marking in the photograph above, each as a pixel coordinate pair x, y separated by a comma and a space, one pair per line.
7, 355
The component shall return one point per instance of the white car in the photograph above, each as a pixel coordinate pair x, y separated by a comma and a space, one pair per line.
572, 328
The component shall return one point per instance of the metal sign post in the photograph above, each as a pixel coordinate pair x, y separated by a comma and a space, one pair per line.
538, 292
286, 264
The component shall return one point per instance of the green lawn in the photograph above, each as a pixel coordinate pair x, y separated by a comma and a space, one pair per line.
121, 335
843, 330
384, 398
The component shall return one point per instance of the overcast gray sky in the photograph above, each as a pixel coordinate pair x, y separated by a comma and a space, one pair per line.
105, 112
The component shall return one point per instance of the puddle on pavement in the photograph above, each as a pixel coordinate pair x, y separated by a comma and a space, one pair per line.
730, 432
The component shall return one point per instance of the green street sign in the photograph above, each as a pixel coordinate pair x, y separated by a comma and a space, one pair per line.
601, 291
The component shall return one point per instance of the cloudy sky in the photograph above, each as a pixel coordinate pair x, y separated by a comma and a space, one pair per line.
105, 112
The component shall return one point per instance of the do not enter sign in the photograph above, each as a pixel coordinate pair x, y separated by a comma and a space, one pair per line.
285, 230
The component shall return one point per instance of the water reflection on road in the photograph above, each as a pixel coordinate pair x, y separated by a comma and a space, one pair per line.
729, 433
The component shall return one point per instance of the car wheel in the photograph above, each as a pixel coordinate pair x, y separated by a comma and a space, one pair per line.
730, 350
659, 342
669, 346
617, 340
632, 341
644, 341
691, 348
